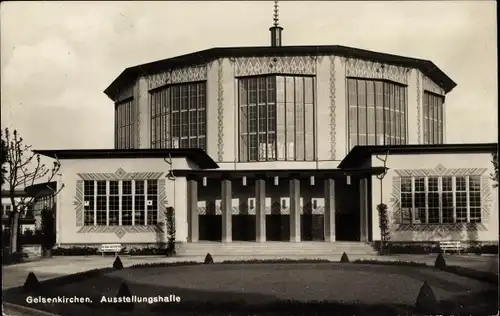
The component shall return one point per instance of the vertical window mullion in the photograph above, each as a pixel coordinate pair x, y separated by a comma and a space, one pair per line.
198, 138
413, 208
467, 190
132, 184
145, 202
95, 203
108, 191
266, 91
440, 194
426, 189
454, 195
247, 85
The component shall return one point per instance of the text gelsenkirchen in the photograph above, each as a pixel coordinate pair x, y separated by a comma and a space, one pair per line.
142, 299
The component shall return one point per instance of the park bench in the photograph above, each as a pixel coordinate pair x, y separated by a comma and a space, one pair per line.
115, 248
449, 245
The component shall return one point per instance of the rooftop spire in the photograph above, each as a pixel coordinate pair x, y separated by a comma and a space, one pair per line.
276, 14
276, 29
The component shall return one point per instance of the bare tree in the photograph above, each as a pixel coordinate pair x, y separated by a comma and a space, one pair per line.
24, 169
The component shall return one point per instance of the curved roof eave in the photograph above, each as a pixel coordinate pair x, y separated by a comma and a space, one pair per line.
130, 74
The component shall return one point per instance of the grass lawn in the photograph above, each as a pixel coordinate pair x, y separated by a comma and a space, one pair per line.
364, 288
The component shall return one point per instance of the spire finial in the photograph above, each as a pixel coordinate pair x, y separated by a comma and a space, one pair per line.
276, 14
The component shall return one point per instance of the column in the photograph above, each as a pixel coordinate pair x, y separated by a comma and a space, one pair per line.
260, 210
294, 210
363, 210
329, 210
227, 213
143, 112
193, 219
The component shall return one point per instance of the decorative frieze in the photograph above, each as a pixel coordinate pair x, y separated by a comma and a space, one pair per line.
333, 108
120, 174
182, 75
431, 86
359, 68
220, 110
296, 65
441, 230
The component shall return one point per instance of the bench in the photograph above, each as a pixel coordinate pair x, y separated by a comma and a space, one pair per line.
451, 246
116, 248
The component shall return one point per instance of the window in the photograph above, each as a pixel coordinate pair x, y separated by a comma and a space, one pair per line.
178, 116
377, 112
276, 118
124, 122
442, 200
433, 118
127, 203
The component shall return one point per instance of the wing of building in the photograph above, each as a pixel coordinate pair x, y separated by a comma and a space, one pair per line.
278, 143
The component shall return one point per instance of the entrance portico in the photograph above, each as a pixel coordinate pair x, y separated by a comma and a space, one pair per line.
294, 206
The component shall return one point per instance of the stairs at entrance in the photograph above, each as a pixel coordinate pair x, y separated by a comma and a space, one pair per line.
306, 249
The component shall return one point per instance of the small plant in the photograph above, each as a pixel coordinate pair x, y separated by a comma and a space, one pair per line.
426, 299
171, 232
118, 265
124, 292
440, 263
208, 259
344, 258
384, 228
31, 284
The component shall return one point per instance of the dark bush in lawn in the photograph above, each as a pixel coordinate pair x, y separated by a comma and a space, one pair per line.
440, 263
124, 292
75, 251
208, 259
344, 258
31, 284
118, 265
426, 299
392, 263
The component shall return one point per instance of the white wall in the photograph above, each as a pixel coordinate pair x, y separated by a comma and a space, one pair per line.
431, 161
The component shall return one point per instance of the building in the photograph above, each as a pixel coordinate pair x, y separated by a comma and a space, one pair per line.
28, 219
278, 143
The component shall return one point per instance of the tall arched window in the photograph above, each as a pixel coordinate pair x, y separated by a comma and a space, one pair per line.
276, 118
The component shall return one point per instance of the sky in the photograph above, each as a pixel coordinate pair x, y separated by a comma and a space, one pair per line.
58, 57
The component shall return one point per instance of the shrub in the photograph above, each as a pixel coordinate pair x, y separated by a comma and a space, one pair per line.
75, 251
145, 251
392, 263
344, 258
426, 299
118, 265
384, 228
31, 284
171, 232
208, 259
440, 263
124, 292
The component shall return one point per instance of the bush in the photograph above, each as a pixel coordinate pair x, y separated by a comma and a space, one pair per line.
171, 231
145, 251
208, 259
344, 258
385, 234
426, 300
31, 284
440, 263
75, 251
118, 265
124, 291
392, 263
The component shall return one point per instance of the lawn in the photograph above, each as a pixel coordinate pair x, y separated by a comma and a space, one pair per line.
360, 286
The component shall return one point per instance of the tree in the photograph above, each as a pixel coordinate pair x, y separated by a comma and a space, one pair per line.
494, 175
23, 169
3, 158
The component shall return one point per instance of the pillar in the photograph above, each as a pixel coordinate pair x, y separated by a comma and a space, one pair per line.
294, 210
260, 210
329, 210
227, 213
363, 209
193, 219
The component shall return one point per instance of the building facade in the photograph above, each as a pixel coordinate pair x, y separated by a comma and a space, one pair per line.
257, 144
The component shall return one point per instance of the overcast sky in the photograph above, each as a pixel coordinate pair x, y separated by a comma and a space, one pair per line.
58, 57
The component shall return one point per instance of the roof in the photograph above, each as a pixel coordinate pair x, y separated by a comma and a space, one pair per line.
15, 193
129, 75
41, 189
359, 154
198, 156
